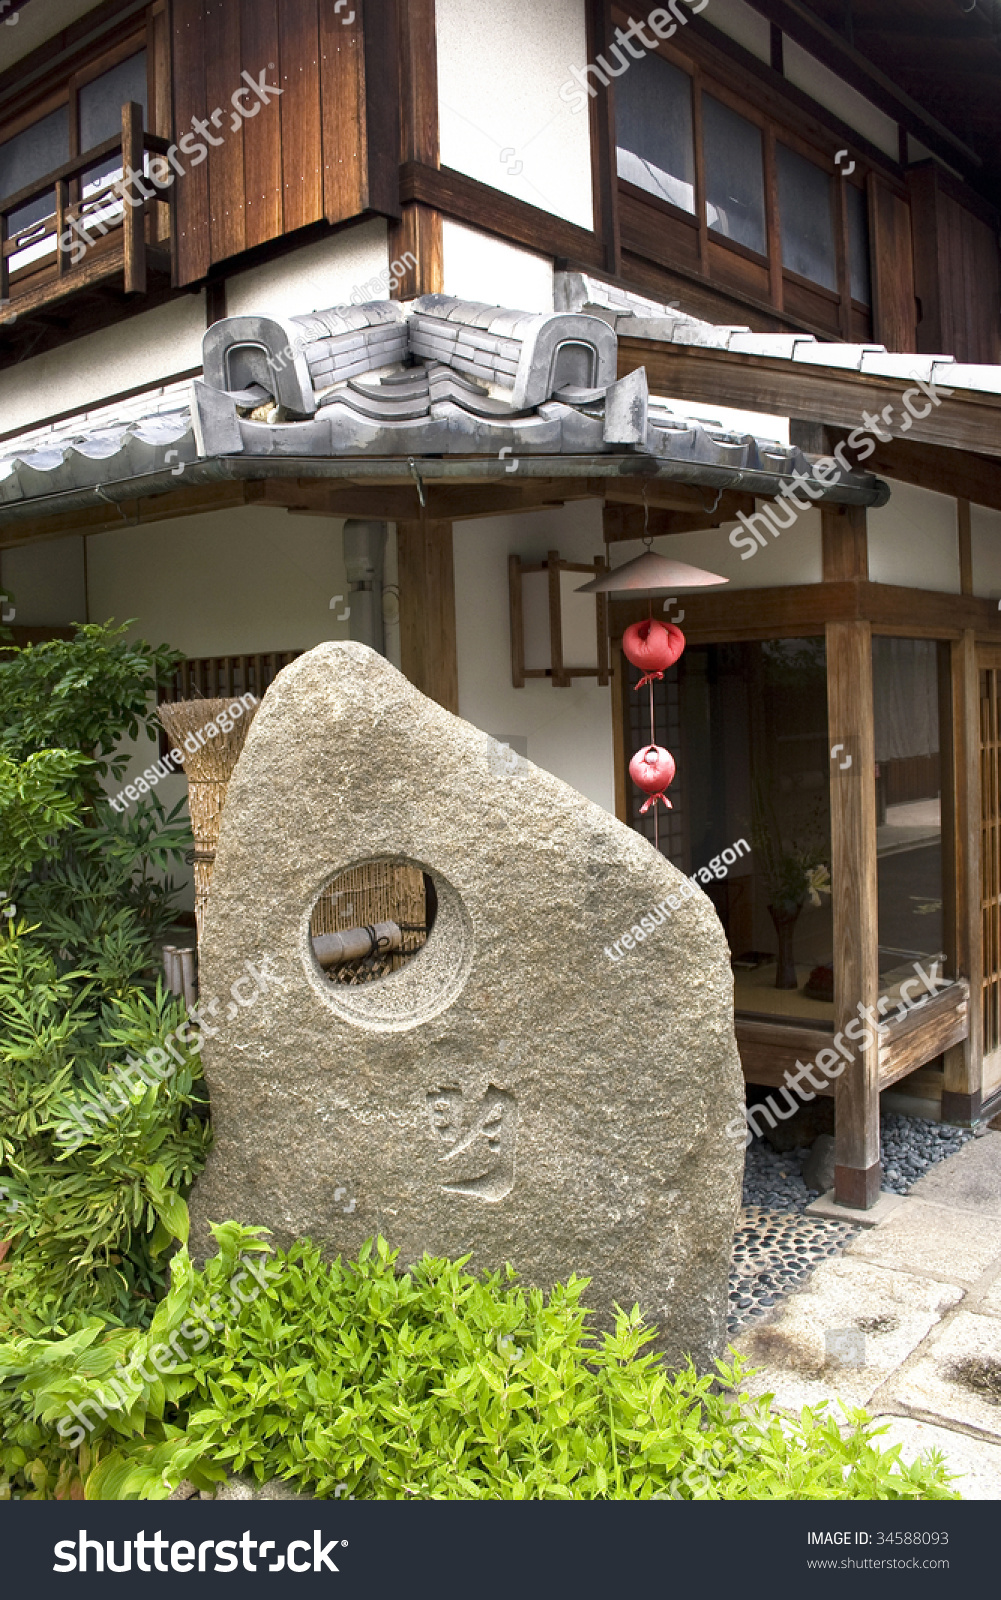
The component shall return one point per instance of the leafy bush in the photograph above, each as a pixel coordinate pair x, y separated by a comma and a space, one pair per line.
84, 1229
347, 1378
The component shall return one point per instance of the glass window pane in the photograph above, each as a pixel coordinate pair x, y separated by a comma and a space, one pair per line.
747, 724
735, 186
39, 149
906, 690
858, 243
101, 103
653, 119
102, 99
807, 223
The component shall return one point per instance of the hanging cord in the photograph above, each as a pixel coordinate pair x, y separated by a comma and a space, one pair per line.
712, 508
416, 475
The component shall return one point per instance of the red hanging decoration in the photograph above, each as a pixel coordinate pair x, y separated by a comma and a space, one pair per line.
653, 648
652, 770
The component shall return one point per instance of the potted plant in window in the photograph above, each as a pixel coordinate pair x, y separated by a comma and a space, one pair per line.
793, 873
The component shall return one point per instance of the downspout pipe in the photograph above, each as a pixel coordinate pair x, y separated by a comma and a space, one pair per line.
364, 556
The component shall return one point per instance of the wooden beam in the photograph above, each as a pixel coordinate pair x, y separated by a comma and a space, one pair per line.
822, 394
854, 902
448, 502
927, 1032
845, 543
604, 175
769, 1050
802, 610
961, 843
427, 609
670, 508
133, 217
960, 473
965, 532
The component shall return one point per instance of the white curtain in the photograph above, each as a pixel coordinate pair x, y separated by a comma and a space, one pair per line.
905, 690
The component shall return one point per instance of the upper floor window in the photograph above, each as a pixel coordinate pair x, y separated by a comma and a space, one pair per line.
748, 205
656, 144
90, 115
735, 185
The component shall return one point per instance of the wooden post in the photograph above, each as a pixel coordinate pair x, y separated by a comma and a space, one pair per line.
133, 217
554, 565
845, 543
427, 609
855, 906
517, 622
963, 1089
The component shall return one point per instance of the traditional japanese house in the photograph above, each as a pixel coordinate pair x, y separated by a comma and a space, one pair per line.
402, 321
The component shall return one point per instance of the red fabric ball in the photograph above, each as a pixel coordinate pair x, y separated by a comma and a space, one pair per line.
652, 769
651, 646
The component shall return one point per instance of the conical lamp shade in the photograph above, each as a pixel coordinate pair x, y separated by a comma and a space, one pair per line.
650, 574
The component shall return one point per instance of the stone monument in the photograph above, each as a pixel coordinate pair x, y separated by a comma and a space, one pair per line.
528, 1088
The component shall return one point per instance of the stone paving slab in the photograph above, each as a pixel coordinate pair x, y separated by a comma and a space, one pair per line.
928, 1238
977, 1463
969, 1181
957, 1377
894, 1311
876, 1215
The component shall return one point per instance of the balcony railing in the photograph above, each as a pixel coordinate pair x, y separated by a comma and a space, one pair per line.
81, 220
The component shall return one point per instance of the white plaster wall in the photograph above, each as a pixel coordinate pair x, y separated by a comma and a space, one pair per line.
46, 582
821, 84
500, 69
225, 583
151, 348
566, 731
480, 267
985, 537
741, 22
914, 540
233, 582
316, 276
36, 23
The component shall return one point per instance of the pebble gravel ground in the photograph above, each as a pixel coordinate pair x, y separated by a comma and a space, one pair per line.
776, 1247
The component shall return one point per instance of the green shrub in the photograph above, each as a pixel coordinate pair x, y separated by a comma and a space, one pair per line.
348, 1378
84, 1223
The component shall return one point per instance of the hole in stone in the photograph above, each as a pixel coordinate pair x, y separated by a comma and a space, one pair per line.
372, 920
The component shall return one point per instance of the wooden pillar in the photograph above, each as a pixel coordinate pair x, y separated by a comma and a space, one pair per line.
854, 900
963, 1089
419, 232
427, 609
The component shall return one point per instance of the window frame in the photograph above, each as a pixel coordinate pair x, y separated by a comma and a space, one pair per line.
779, 287
101, 57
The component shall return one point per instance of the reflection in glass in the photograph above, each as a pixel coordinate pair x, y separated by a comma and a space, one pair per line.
735, 186
38, 150
653, 119
807, 223
857, 208
907, 685
748, 726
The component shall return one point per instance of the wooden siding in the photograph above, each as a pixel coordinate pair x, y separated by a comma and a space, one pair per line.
894, 303
956, 269
324, 151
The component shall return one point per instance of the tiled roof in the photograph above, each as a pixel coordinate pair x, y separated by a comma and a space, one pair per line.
634, 317
437, 377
